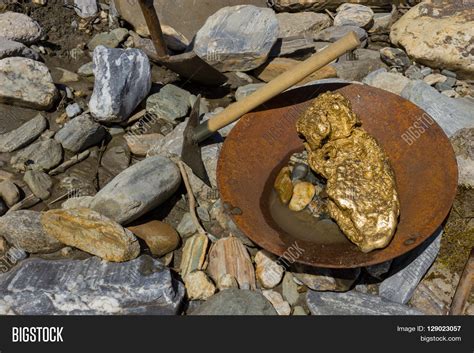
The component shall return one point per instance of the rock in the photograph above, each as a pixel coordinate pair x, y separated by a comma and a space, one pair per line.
198, 286
85, 8
86, 70
115, 160
433, 79
203, 214
122, 81
24, 135
186, 226
140, 144
382, 22
426, 71
9, 48
138, 189
325, 279
194, 254
78, 202
394, 57
160, 237
333, 33
299, 311
39, 183
170, 103
303, 193
171, 145
23, 230
64, 76
379, 270
448, 73
354, 303
91, 232
247, 90
229, 256
414, 72
302, 23
3, 207
290, 289
354, 15
437, 35
110, 39
26, 83
227, 281
356, 70
110, 288
19, 27
41, 155
450, 114
463, 145
269, 272
409, 270
80, 133
73, 110
237, 38
282, 307
9, 192
390, 81
446, 85
236, 302
277, 66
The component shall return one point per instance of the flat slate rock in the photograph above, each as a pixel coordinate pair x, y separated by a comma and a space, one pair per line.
80, 133
25, 134
90, 287
354, 303
41, 155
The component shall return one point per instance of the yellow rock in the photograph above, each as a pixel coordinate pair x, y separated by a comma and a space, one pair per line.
283, 185
303, 193
198, 286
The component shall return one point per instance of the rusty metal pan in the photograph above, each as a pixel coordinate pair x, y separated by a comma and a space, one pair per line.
261, 143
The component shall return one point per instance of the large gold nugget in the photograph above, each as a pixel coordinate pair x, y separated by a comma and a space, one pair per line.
360, 183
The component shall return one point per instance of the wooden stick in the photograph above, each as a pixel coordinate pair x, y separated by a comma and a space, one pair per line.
464, 287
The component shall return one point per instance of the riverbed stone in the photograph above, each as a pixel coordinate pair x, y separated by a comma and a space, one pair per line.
268, 272
80, 133
73, 110
198, 286
91, 232
25, 134
160, 237
23, 230
463, 145
354, 15
39, 183
390, 81
301, 23
85, 8
395, 57
171, 103
19, 27
333, 33
26, 83
90, 287
41, 155
122, 81
138, 189
237, 38
9, 192
9, 48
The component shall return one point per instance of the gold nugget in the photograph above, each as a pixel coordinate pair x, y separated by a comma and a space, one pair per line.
360, 182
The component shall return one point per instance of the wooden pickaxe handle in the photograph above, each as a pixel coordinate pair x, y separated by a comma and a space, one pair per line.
278, 85
153, 24
464, 288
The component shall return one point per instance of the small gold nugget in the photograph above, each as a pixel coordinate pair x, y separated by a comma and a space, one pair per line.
360, 182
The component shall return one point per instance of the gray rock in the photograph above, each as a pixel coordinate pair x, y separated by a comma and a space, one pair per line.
122, 81
171, 145
302, 23
382, 23
78, 202
85, 8
236, 302
86, 70
333, 33
73, 110
237, 38
9, 192
379, 270
27, 83
110, 39
415, 73
247, 90
138, 189
80, 133
451, 114
170, 103
3, 207
354, 303
39, 183
19, 27
354, 15
463, 144
425, 71
356, 70
23, 230
395, 57
408, 270
390, 81
446, 85
41, 155
290, 289
9, 48
24, 135
90, 287
186, 226
448, 73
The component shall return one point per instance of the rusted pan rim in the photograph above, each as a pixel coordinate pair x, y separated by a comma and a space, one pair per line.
419, 151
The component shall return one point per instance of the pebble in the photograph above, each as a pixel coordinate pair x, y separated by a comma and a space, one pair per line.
39, 183
203, 214
23, 230
446, 85
290, 289
86, 70
9, 192
282, 307
85, 8
390, 81
354, 15
24, 135
333, 33
139, 145
299, 311
194, 254
380, 270
227, 281
19, 27
301, 23
269, 272
448, 73
73, 110
114, 161
64, 76
324, 279
303, 193
80, 133
171, 103
237, 38
91, 287
186, 226
415, 73
160, 237
299, 172
198, 286
9, 48
26, 83
433, 79
395, 57
122, 81
91, 232
283, 185
426, 71
236, 302
138, 189
110, 39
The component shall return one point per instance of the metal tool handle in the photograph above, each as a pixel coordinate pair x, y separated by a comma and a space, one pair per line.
281, 83
153, 23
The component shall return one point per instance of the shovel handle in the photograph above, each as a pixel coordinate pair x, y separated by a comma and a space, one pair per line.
279, 84
154, 27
